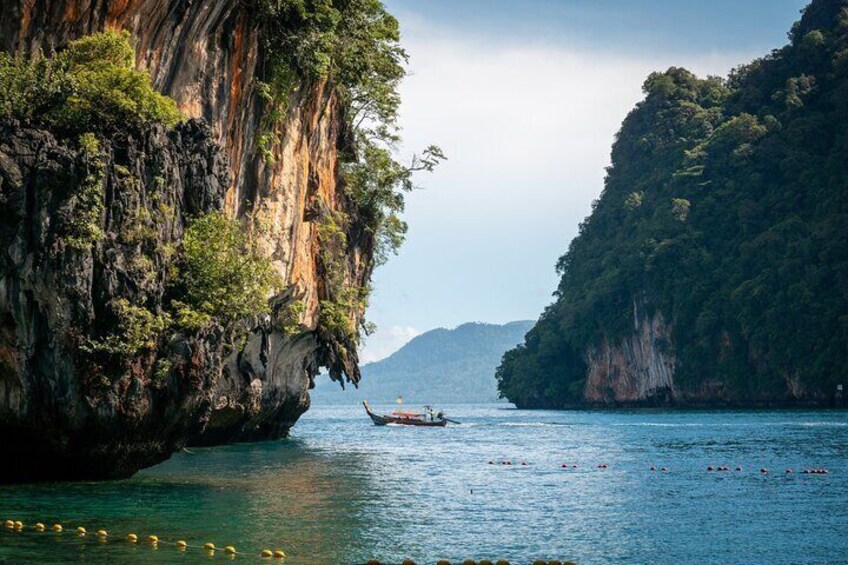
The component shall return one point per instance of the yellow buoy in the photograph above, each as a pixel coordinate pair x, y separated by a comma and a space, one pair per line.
19, 525
267, 553
442, 562
485, 562
230, 550
132, 538
181, 544
280, 554
372, 562
502, 562
80, 531
407, 562
209, 546
153, 539
57, 527
102, 534
39, 527
10, 523
469, 562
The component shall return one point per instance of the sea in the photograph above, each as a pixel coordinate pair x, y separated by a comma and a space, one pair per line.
579, 486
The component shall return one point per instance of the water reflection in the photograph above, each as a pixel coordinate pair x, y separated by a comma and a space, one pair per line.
310, 502
345, 491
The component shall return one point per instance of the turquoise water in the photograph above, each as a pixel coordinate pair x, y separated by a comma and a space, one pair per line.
343, 491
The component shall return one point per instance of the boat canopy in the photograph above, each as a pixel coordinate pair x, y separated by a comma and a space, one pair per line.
402, 414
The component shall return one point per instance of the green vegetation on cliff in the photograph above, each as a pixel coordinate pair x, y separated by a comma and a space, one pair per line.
226, 276
353, 47
725, 212
91, 86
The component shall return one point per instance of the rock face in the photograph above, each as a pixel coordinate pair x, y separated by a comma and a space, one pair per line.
637, 369
207, 56
66, 414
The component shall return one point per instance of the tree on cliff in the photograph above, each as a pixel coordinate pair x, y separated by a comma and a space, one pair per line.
724, 211
91, 86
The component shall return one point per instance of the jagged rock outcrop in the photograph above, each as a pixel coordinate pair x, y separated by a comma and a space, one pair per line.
65, 413
207, 56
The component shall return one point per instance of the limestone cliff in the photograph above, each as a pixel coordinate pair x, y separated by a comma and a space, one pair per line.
635, 369
95, 423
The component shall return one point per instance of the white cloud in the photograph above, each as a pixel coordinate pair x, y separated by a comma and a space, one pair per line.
384, 342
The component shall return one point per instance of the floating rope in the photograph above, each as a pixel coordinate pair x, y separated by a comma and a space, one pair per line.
152, 539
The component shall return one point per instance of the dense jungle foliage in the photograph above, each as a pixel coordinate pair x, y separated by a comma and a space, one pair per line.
91, 86
725, 210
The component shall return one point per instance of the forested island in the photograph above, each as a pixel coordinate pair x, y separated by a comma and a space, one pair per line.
713, 269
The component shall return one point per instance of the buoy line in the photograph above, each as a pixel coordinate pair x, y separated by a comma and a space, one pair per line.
17, 526
662, 469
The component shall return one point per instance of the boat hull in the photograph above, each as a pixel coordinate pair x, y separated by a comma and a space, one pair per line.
381, 420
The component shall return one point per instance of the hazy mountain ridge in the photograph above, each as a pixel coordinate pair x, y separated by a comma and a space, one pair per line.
438, 366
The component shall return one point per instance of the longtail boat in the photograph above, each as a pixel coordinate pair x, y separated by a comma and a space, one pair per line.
404, 418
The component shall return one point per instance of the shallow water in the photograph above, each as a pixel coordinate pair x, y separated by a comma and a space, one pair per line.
343, 491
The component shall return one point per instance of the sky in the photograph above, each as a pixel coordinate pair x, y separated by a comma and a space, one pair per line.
525, 98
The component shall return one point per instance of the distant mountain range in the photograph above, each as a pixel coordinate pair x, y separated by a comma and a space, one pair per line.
440, 366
